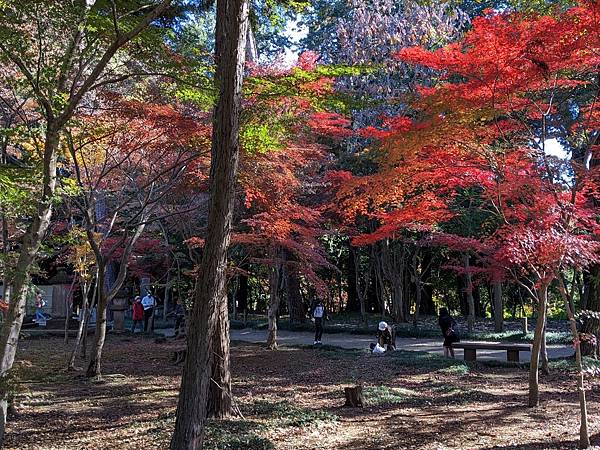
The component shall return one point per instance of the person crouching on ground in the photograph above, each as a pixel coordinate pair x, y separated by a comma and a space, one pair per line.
386, 336
318, 314
138, 313
448, 327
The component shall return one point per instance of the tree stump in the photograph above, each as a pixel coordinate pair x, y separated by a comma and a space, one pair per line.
354, 397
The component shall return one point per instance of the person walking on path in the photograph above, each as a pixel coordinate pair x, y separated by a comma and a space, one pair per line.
138, 313
318, 314
148, 303
386, 336
448, 327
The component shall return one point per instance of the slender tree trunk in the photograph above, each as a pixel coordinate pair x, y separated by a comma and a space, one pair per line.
469, 292
352, 304
69, 310
232, 22
591, 324
167, 299
498, 307
87, 319
106, 295
30, 244
534, 395
274, 299
544, 350
94, 366
362, 294
584, 437
241, 294
416, 275
80, 328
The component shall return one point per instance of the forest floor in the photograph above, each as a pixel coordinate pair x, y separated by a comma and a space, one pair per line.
292, 399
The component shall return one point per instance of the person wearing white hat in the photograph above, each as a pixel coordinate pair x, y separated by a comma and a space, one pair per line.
386, 336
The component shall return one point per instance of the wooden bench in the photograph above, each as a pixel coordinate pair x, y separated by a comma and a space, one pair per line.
512, 350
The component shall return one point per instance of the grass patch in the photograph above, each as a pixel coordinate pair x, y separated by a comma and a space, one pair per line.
552, 337
284, 414
457, 369
590, 365
429, 362
383, 395
235, 435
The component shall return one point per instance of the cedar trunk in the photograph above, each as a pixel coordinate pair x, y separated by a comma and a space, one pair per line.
231, 30
294, 297
220, 397
274, 300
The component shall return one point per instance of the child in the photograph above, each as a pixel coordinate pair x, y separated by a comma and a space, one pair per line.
138, 313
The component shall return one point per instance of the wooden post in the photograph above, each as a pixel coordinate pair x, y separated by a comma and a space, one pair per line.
512, 355
524, 326
470, 354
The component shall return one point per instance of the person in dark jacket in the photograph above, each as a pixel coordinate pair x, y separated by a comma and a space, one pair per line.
386, 336
318, 313
448, 327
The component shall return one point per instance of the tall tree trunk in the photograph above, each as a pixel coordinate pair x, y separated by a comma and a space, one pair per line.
231, 29
241, 294
427, 304
534, 394
498, 307
416, 278
220, 396
30, 245
361, 294
88, 316
591, 325
274, 299
469, 293
294, 297
80, 329
94, 366
544, 349
353, 304
584, 437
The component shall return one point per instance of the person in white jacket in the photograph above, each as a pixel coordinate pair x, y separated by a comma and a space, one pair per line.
148, 303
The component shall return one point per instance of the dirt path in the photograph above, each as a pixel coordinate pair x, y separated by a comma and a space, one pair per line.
362, 341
